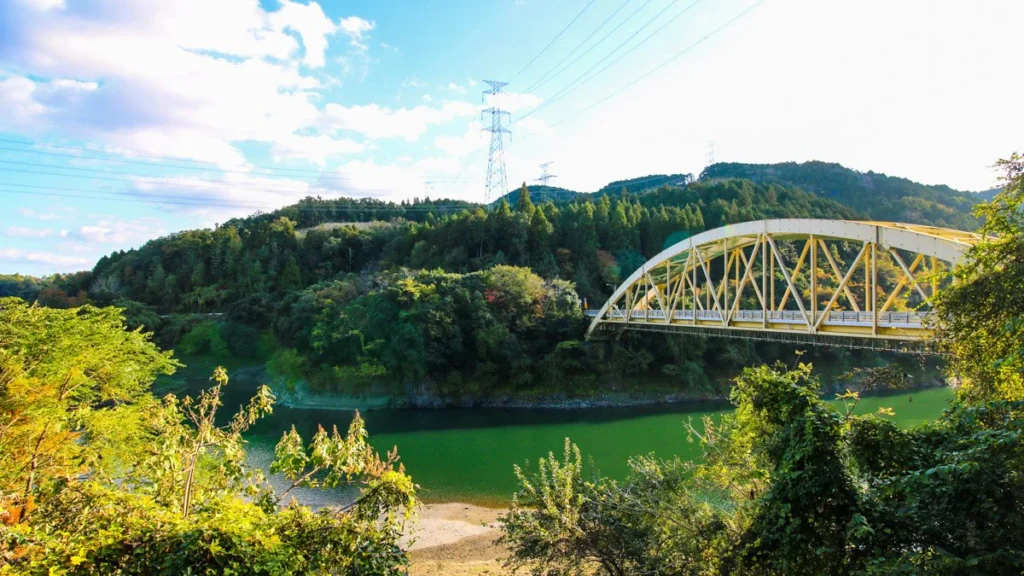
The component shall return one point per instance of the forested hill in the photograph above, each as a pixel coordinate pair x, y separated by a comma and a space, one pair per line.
877, 196
540, 194
591, 242
466, 301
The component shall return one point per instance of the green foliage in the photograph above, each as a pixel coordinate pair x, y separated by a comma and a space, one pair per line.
877, 196
981, 326
562, 522
789, 485
67, 376
426, 327
204, 338
97, 476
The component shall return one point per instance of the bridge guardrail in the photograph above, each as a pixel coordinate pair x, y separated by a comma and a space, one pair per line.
836, 318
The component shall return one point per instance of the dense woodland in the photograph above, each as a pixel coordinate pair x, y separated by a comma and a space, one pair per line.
447, 299
98, 476
789, 484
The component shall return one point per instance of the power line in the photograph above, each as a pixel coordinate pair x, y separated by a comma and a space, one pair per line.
574, 85
596, 44
202, 203
545, 76
170, 182
553, 40
464, 166
81, 154
643, 76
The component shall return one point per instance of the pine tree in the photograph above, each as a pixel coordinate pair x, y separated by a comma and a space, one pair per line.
524, 205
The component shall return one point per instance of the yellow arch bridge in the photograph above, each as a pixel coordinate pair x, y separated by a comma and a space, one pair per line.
838, 282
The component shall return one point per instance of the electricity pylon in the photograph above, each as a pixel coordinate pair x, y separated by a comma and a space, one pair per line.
496, 180
545, 176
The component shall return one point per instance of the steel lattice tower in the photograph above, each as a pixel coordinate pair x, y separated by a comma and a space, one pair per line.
545, 176
496, 179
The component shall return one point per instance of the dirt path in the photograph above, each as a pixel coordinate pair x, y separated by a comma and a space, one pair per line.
455, 539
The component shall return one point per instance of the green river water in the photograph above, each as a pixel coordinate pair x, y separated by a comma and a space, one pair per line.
466, 455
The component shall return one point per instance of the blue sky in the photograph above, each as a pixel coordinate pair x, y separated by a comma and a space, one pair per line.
123, 120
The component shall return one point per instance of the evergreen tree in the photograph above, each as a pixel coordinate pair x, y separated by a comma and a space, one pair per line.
524, 205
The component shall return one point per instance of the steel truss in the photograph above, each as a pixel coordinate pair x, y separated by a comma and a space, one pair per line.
737, 281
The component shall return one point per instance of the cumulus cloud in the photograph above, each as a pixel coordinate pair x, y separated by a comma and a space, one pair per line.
113, 230
355, 28
316, 149
44, 5
453, 87
513, 101
186, 79
375, 121
61, 262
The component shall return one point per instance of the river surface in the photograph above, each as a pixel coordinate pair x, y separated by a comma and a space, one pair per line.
466, 455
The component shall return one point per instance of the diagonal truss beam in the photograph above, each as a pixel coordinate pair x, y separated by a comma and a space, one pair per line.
790, 288
846, 280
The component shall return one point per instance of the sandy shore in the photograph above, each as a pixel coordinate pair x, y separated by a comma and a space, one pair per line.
456, 539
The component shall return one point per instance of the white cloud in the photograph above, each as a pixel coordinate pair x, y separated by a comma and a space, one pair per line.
513, 101
458, 146
316, 149
389, 47
58, 261
312, 25
453, 87
532, 126
43, 5
375, 121
412, 82
186, 79
25, 232
355, 28
118, 231
17, 99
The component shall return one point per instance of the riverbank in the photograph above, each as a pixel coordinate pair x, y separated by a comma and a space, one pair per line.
455, 539
245, 377
618, 400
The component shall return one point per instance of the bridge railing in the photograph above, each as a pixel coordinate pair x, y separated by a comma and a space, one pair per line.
836, 318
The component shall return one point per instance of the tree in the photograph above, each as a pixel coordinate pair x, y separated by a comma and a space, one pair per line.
523, 204
982, 313
789, 484
99, 477
290, 277
66, 376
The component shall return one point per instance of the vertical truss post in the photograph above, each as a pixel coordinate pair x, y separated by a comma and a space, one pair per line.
693, 286
725, 280
814, 282
874, 289
867, 281
764, 282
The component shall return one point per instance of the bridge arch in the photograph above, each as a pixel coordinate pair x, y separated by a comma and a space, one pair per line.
725, 281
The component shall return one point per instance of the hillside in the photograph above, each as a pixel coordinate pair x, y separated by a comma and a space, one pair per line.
540, 194
438, 298
876, 196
